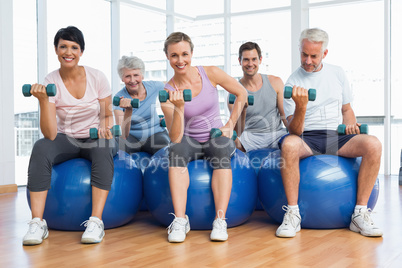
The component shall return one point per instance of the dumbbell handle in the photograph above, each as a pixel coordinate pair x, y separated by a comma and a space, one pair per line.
162, 122
50, 90
216, 132
342, 129
250, 99
164, 96
135, 103
312, 93
116, 131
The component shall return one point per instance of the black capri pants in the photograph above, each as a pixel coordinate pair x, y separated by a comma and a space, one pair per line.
218, 151
151, 145
47, 153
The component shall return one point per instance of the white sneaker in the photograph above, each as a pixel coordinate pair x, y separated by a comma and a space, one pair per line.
219, 229
178, 229
291, 223
363, 224
94, 232
37, 232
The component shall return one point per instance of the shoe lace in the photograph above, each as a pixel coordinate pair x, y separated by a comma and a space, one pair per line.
176, 224
367, 216
220, 220
290, 216
90, 225
33, 226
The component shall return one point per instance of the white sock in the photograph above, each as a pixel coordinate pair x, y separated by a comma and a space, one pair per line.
359, 208
295, 207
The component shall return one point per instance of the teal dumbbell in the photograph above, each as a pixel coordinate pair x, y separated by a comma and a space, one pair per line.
116, 131
216, 132
162, 123
135, 103
250, 99
164, 96
312, 93
342, 129
50, 90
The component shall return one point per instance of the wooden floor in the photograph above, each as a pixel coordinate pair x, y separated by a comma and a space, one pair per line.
143, 242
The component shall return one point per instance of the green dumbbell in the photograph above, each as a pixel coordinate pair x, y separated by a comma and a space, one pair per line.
312, 93
342, 129
116, 131
216, 132
162, 123
135, 103
250, 99
164, 96
50, 90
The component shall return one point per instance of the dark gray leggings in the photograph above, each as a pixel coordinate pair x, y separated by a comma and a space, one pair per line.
47, 153
217, 151
151, 145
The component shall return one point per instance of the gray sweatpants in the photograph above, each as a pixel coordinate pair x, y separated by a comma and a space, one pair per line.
47, 153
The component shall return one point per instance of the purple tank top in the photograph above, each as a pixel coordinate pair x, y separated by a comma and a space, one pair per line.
202, 112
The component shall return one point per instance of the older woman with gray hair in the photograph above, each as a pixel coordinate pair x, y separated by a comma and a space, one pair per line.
141, 130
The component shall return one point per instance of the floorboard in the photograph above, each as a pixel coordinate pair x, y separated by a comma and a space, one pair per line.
143, 242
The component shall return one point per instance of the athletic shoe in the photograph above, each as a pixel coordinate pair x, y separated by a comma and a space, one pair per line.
291, 223
219, 229
94, 232
363, 224
37, 232
178, 229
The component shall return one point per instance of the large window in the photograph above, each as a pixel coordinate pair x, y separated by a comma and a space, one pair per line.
357, 45
396, 85
25, 72
140, 37
198, 8
93, 19
271, 31
251, 5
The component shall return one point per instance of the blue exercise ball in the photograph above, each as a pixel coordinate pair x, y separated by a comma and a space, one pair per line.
256, 157
327, 191
200, 203
142, 160
69, 203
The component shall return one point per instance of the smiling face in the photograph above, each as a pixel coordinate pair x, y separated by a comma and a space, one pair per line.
68, 53
250, 62
179, 56
132, 78
311, 56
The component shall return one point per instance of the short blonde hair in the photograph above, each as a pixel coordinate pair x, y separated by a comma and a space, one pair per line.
177, 37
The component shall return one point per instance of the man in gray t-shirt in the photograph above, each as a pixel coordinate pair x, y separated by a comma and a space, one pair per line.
260, 125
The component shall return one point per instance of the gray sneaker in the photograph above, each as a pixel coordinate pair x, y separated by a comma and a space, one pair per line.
178, 229
291, 223
94, 232
37, 232
363, 224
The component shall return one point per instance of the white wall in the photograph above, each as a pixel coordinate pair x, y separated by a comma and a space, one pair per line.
7, 160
